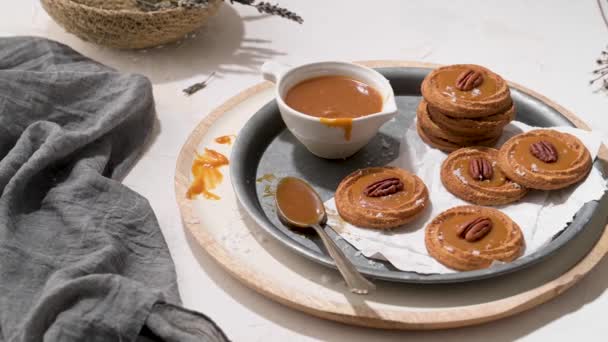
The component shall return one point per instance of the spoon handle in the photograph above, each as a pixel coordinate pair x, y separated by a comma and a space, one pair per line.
354, 280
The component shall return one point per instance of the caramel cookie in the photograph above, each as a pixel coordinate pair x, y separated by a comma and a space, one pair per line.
422, 115
471, 237
489, 125
473, 175
545, 159
466, 91
381, 197
446, 145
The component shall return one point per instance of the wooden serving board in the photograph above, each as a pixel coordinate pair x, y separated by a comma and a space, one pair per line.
226, 233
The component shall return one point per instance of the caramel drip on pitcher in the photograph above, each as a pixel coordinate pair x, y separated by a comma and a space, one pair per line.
344, 123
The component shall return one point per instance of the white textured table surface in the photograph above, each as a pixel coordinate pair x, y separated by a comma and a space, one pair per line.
548, 46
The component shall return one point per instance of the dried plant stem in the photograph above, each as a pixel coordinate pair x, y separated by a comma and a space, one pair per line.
601, 73
199, 85
262, 7
599, 4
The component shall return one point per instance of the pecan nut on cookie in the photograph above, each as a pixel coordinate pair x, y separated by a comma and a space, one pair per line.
451, 91
473, 175
545, 159
471, 237
381, 197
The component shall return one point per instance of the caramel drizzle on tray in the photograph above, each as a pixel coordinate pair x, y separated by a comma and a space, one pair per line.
207, 175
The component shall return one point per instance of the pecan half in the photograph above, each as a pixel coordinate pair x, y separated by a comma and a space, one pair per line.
384, 187
475, 229
544, 150
481, 169
469, 79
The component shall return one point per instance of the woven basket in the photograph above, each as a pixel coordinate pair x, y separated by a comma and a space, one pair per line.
120, 24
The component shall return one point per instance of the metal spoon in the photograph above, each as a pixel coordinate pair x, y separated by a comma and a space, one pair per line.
299, 206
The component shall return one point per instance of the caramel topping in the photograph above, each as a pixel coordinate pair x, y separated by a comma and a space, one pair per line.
461, 170
298, 202
446, 84
225, 139
449, 229
522, 153
206, 174
334, 97
394, 200
345, 123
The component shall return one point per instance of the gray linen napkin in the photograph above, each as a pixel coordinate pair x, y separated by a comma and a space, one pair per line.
81, 256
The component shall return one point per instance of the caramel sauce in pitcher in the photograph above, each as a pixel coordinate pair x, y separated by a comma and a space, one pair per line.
336, 100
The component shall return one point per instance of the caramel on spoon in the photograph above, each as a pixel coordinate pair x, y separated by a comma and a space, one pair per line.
299, 206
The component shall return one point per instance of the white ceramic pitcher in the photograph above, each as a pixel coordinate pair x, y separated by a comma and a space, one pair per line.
322, 138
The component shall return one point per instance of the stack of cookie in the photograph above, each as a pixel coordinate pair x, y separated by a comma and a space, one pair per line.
464, 105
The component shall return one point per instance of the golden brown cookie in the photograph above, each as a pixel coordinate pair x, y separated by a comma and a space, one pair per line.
446, 145
381, 197
545, 159
434, 142
422, 115
471, 237
490, 125
473, 175
466, 91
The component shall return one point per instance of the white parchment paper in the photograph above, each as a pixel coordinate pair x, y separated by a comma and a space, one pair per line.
540, 215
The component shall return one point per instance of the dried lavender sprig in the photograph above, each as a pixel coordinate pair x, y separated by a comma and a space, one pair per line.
602, 61
601, 73
243, 2
268, 8
199, 85
262, 7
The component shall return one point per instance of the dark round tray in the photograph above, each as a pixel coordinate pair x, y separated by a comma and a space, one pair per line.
265, 146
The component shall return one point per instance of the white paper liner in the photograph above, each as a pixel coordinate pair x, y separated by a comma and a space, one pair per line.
540, 215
